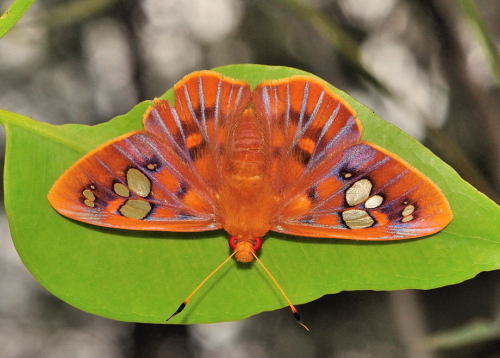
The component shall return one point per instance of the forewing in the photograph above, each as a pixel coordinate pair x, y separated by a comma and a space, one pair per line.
205, 104
366, 193
136, 182
306, 125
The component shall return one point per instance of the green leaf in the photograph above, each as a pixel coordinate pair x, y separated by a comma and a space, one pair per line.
13, 14
143, 277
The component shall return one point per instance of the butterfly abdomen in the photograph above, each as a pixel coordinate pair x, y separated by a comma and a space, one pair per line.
245, 194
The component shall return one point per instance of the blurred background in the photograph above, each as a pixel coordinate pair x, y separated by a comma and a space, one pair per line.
429, 66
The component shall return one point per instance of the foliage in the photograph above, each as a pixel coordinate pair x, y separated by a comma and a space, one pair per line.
143, 276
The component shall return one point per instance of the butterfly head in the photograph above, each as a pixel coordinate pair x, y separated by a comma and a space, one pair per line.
245, 247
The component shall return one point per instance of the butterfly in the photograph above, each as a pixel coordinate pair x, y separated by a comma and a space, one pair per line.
285, 156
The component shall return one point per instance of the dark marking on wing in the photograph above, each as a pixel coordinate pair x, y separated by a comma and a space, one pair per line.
301, 155
183, 188
196, 151
307, 220
312, 193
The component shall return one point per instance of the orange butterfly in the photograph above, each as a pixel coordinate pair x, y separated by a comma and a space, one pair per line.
286, 156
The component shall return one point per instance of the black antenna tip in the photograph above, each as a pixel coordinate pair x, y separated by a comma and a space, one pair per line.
296, 315
179, 310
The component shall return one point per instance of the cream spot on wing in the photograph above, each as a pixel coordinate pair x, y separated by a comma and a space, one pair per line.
136, 209
405, 219
138, 182
408, 210
357, 219
358, 192
374, 202
121, 190
152, 166
346, 175
89, 203
88, 194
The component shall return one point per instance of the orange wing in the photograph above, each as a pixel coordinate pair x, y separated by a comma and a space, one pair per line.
162, 178
330, 183
205, 104
135, 182
306, 124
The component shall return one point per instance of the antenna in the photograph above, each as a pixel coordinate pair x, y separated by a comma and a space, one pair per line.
295, 312
185, 302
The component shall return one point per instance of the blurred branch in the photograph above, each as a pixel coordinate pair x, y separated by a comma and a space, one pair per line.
13, 14
337, 37
471, 333
471, 13
73, 12
70, 13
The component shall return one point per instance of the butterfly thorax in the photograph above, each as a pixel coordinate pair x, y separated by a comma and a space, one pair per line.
245, 193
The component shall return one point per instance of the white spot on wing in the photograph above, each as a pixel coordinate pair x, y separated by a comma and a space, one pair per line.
374, 202
358, 192
357, 219
408, 210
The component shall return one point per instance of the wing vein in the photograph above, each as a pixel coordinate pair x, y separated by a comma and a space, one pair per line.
303, 108
201, 96
288, 106
170, 137
309, 121
191, 112
217, 109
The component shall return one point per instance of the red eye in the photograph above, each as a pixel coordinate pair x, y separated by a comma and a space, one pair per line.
256, 243
232, 242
